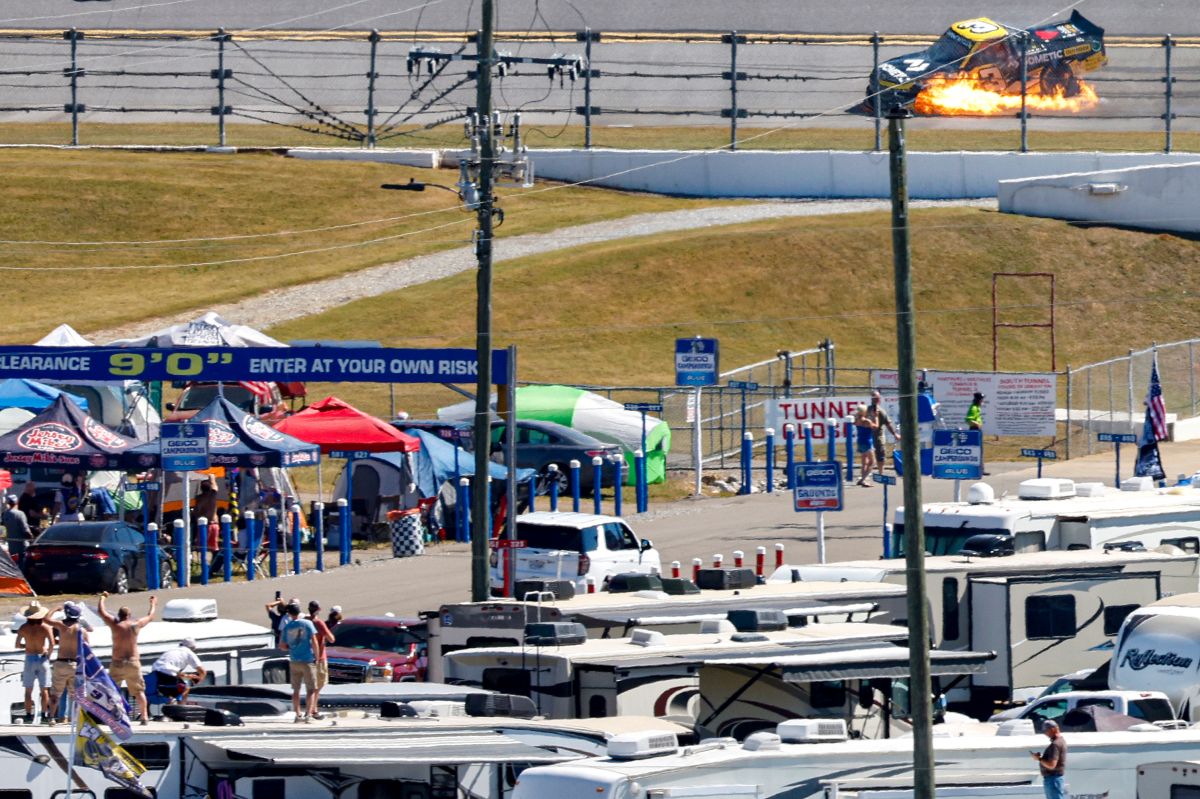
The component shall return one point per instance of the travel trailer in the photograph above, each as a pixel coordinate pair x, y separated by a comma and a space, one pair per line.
1158, 649
802, 758
1043, 613
1053, 513
1179, 779
501, 622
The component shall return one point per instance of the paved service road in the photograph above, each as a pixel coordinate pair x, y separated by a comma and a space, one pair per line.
681, 531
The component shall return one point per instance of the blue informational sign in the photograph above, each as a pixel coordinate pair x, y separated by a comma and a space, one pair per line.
1040, 454
744, 385
1115, 438
348, 454
644, 407
883, 479
184, 446
232, 364
958, 454
818, 485
696, 362
148, 485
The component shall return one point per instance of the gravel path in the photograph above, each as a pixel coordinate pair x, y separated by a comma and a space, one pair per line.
281, 305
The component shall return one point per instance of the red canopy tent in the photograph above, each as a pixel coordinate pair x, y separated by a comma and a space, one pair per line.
334, 424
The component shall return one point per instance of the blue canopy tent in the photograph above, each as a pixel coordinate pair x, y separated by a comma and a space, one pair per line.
17, 392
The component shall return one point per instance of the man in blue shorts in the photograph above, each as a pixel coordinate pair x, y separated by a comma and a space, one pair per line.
37, 640
865, 424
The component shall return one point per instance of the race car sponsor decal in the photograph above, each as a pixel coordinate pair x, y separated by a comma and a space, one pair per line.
894, 71
50, 437
1078, 49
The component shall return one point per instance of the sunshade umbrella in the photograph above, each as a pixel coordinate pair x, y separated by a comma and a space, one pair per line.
17, 392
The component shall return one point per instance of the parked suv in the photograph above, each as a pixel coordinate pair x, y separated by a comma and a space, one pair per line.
377, 649
197, 396
575, 547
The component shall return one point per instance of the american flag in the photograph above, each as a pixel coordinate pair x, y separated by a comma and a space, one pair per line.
1156, 410
258, 389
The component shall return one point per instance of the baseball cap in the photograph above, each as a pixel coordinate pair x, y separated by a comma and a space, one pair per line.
336, 609
190, 643
11, 499
313, 606
1048, 723
72, 611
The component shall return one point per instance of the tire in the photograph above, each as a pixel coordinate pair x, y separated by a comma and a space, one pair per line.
121, 582
1059, 78
563, 479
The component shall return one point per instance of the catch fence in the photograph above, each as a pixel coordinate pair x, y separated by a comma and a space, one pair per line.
403, 88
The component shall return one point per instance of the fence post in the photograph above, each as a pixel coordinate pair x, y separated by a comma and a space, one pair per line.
319, 533
253, 542
733, 88
296, 542
273, 541
1024, 93
1191, 381
182, 568
153, 570
770, 433
220, 74
1130, 387
552, 469
808, 442
747, 457
227, 547
1069, 412
642, 492
1169, 93
597, 481
371, 77
74, 73
876, 100
575, 466
202, 539
848, 427
588, 37
344, 542
789, 447
618, 480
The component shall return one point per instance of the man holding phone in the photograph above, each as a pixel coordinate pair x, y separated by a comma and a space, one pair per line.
1052, 762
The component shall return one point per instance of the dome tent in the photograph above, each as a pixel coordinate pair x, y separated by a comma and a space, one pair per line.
592, 414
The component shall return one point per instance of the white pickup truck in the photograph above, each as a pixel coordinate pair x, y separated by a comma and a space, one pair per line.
1152, 706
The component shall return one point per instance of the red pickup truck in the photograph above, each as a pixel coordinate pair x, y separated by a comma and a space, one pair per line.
378, 649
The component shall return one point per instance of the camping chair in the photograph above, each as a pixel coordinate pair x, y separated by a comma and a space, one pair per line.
242, 551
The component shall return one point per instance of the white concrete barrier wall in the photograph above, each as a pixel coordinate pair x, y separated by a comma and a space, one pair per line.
1159, 197
817, 173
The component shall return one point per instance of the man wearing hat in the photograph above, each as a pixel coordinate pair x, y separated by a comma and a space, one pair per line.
176, 670
71, 630
1053, 762
16, 528
37, 641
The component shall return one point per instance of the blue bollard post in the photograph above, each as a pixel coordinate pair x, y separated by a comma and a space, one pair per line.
296, 542
619, 479
808, 442
642, 493
253, 540
532, 493
344, 542
831, 432
597, 482
789, 447
575, 465
181, 554
553, 471
202, 540
770, 460
319, 533
273, 541
227, 547
153, 569
747, 454
462, 511
849, 433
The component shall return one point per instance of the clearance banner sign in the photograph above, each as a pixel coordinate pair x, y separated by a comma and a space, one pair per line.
231, 364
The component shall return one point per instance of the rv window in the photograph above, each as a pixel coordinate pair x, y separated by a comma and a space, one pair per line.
507, 681
941, 540
1050, 616
151, 755
597, 707
126, 793
1114, 616
1185, 792
828, 694
949, 609
16, 793
1190, 544
481, 641
269, 788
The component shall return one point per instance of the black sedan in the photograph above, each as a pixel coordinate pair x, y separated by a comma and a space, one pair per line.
540, 444
89, 557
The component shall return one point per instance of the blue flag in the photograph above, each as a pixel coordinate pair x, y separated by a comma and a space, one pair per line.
96, 693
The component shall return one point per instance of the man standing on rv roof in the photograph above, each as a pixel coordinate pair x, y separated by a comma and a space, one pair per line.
126, 663
1053, 762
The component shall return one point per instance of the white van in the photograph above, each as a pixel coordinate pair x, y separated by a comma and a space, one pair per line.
574, 547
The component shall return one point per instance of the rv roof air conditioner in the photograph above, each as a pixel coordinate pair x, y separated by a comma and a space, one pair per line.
1046, 488
635, 745
1137, 484
717, 627
811, 731
190, 610
647, 638
761, 741
980, 494
758, 620
1016, 727
1089, 489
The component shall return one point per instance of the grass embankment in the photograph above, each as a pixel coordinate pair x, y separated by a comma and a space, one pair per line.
924, 134
56, 196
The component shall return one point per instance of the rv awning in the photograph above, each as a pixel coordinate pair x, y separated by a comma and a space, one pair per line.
862, 664
391, 748
692, 615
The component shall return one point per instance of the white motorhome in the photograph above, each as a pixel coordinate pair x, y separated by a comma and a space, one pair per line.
1158, 649
1054, 513
1043, 613
501, 622
1179, 779
802, 758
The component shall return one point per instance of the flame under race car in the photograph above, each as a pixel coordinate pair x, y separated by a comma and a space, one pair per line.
984, 56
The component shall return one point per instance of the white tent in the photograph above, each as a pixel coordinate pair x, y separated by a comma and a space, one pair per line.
210, 330
63, 336
12, 418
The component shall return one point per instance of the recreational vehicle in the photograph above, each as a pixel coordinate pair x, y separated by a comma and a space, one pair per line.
501, 622
1158, 649
1053, 513
802, 758
1178, 779
1043, 613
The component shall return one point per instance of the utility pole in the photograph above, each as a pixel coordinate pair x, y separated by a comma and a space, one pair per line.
920, 694
480, 496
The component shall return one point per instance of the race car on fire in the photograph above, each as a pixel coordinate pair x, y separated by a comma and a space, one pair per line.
986, 55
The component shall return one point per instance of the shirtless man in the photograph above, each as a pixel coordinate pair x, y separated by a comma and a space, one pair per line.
38, 641
126, 664
62, 672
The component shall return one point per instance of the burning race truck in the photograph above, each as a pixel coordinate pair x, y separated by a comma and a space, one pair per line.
975, 68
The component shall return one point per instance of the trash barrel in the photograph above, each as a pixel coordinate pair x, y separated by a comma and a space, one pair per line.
407, 535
